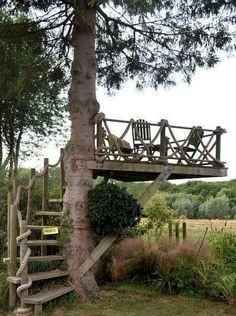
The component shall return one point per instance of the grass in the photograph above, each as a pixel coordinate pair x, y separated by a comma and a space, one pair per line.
130, 299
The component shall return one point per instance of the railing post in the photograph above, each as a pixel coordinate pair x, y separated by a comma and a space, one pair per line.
9, 203
30, 199
219, 131
163, 141
23, 250
100, 134
13, 254
44, 204
184, 231
177, 232
62, 178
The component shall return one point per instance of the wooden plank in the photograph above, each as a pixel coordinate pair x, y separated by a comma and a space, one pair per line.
43, 242
62, 176
24, 274
40, 276
46, 296
102, 247
38, 227
30, 198
55, 200
45, 202
13, 254
154, 186
38, 258
142, 171
48, 213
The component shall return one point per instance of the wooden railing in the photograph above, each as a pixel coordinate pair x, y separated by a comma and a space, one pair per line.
141, 141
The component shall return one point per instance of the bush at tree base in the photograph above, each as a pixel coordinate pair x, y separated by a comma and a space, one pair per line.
112, 210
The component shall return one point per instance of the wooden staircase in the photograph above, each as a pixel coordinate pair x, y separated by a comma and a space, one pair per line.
53, 283
44, 249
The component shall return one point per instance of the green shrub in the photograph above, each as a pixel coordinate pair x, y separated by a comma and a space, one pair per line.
112, 209
3, 290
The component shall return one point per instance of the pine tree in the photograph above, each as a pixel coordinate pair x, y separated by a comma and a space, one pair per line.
152, 42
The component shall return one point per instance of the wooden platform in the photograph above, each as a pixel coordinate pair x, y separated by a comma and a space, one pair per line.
133, 171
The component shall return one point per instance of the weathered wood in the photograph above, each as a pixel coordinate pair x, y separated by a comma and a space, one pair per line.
35, 227
218, 141
40, 276
102, 247
47, 295
38, 309
9, 203
133, 171
163, 145
45, 203
177, 232
30, 199
47, 242
48, 214
23, 249
154, 186
62, 176
55, 200
13, 254
38, 258
100, 134
184, 231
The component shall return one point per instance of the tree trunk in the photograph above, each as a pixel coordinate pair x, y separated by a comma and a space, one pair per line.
82, 106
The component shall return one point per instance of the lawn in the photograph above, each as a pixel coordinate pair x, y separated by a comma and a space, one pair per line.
128, 299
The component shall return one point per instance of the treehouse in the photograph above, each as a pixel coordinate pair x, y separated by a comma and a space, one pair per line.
125, 150
140, 150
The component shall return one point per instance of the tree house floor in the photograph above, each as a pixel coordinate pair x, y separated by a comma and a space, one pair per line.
133, 171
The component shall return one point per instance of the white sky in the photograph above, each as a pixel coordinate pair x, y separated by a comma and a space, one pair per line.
209, 101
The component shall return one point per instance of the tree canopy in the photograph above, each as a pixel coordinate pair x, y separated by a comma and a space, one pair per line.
149, 41
31, 103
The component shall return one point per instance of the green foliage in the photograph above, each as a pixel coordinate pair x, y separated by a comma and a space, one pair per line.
3, 289
223, 246
158, 213
112, 209
187, 205
217, 207
32, 108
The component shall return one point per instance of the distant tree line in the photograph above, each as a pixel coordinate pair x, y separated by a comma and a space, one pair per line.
196, 199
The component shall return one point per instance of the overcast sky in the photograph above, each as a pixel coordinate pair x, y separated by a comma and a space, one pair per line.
208, 101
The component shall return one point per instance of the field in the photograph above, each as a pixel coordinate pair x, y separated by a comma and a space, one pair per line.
196, 228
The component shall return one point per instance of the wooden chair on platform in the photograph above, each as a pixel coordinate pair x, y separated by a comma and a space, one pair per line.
141, 131
193, 143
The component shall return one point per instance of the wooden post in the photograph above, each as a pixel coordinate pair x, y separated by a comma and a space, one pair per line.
9, 203
100, 134
23, 250
184, 231
170, 231
62, 178
44, 204
177, 232
218, 133
30, 199
13, 254
163, 144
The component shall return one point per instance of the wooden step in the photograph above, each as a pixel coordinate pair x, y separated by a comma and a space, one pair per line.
36, 227
46, 295
45, 213
39, 258
40, 276
55, 200
50, 242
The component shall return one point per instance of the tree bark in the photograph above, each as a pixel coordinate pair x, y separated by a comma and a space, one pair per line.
82, 106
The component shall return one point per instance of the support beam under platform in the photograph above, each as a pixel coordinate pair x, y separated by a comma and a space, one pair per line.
133, 171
